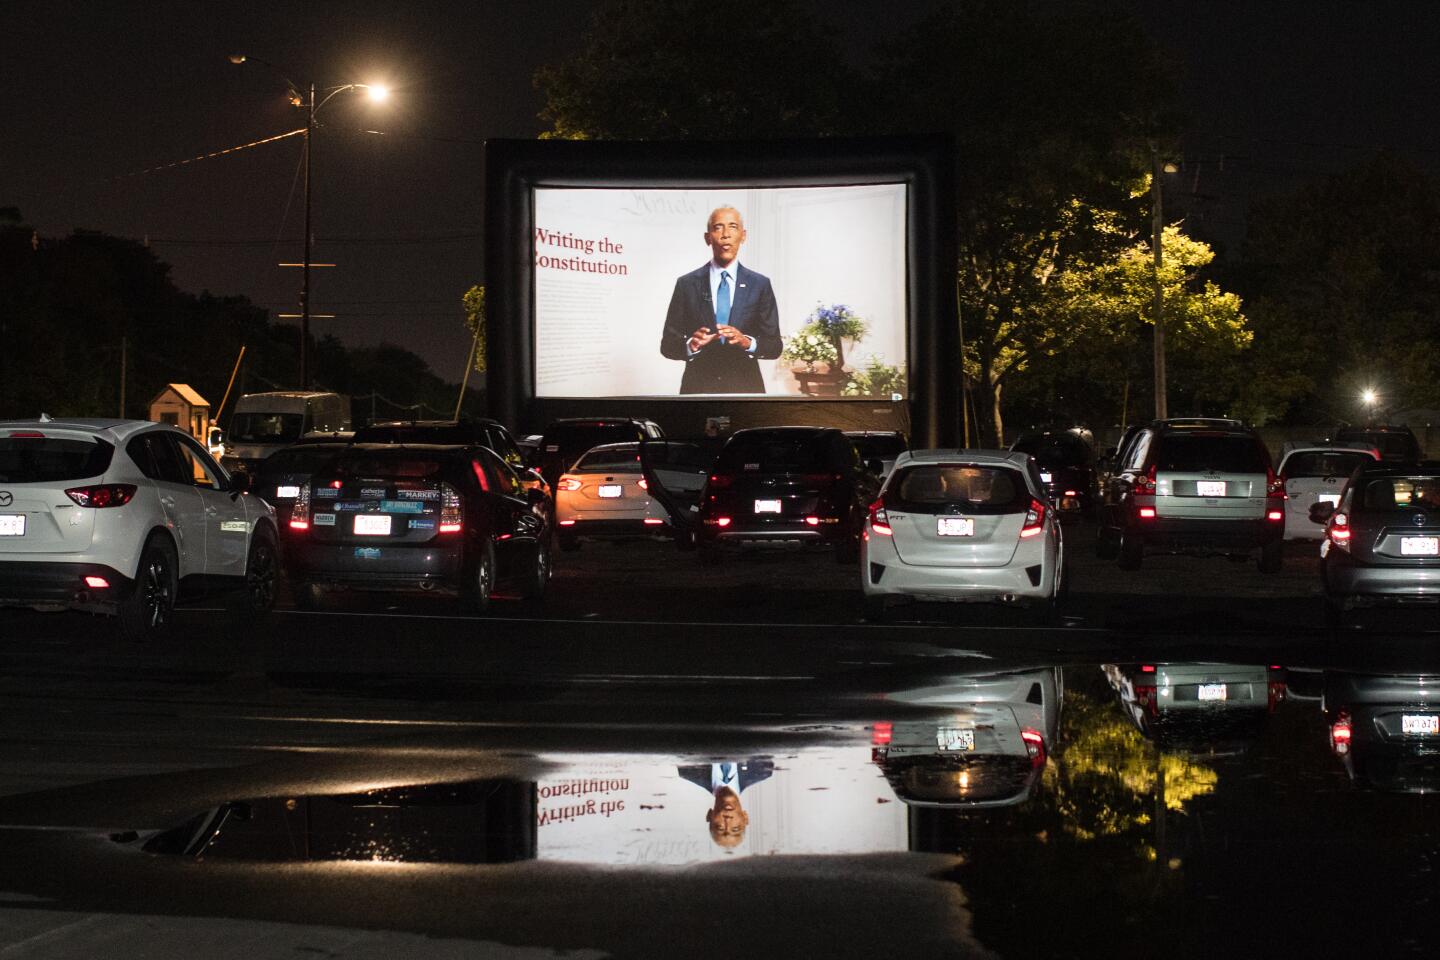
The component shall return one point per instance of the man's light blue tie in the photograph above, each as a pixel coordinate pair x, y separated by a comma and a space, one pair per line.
727, 771
722, 302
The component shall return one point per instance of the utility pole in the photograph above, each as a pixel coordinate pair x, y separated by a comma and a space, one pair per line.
305, 273
124, 341
1157, 234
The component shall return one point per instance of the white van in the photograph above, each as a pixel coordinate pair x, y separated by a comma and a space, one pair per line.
266, 422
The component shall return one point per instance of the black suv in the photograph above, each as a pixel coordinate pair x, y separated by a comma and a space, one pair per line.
1397, 445
1193, 486
1067, 468
564, 441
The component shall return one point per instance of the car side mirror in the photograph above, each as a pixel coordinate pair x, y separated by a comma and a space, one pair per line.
239, 482
1322, 512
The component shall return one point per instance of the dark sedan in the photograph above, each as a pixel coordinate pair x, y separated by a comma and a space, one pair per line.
279, 477
422, 517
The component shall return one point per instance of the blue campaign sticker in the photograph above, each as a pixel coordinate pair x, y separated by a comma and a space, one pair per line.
324, 519
421, 523
352, 505
367, 553
372, 493
402, 506
327, 493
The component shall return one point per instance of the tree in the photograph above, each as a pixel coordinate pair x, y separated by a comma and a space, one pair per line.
474, 303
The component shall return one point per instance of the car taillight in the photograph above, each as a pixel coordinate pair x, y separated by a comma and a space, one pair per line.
643, 484
569, 484
1145, 696
1034, 746
25, 435
881, 733
1274, 485
1147, 513
1034, 519
1276, 689
722, 521
1340, 531
1340, 732
452, 516
104, 495
300, 512
721, 480
97, 583
654, 522
879, 520
1145, 483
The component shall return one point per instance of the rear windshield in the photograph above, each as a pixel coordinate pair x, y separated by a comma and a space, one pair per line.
1212, 454
881, 446
973, 489
300, 460
1323, 464
372, 465
1056, 451
615, 458
266, 427
1400, 493
1392, 446
804, 453
52, 459
570, 440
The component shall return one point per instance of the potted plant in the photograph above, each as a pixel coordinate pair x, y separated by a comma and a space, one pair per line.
819, 341
879, 379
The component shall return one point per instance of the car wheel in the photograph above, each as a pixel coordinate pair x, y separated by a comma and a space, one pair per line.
149, 611
1052, 612
1272, 557
1132, 552
877, 608
568, 542
252, 604
481, 581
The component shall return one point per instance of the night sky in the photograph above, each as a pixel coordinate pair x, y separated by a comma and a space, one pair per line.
91, 94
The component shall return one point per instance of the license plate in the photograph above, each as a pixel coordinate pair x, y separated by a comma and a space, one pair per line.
1330, 498
1212, 691
287, 493
1420, 546
611, 490
372, 524
767, 506
955, 738
1210, 488
1418, 724
12, 524
1046, 478
955, 526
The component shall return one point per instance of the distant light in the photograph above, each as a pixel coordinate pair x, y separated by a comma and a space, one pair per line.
378, 92
1368, 396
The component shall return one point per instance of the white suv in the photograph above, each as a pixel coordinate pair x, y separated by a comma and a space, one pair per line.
121, 516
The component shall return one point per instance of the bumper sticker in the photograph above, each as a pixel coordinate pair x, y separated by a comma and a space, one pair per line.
420, 523
324, 520
326, 493
402, 506
418, 494
367, 553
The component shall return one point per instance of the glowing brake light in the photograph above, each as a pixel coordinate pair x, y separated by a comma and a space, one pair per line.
25, 435
1340, 531
569, 484
1034, 746
1147, 513
652, 522
813, 521
97, 583
300, 511
722, 521
879, 521
643, 485
104, 495
1034, 520
1274, 515
721, 480
451, 513
1145, 483
882, 733
1340, 733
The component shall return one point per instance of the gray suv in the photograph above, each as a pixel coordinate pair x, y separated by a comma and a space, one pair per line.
1193, 486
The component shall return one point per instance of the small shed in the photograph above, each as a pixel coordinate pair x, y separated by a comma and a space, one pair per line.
178, 404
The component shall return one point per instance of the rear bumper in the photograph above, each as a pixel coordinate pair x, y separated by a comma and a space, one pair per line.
1028, 577
25, 583
378, 565
614, 529
1188, 534
789, 535
1398, 583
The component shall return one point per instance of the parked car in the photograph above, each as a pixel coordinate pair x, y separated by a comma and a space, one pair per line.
565, 440
1382, 540
477, 431
124, 517
1213, 708
1397, 444
603, 496
1316, 474
1385, 729
787, 487
990, 748
420, 517
879, 447
280, 476
1067, 469
1197, 486
962, 525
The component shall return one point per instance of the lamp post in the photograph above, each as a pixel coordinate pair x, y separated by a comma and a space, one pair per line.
378, 93
1157, 236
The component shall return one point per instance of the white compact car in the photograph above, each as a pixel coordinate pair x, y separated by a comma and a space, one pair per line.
1317, 474
962, 525
603, 495
120, 516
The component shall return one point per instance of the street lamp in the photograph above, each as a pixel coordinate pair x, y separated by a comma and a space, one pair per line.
377, 93
1369, 397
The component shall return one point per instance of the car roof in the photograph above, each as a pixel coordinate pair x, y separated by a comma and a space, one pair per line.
1384, 469
117, 429
1331, 448
635, 444
792, 428
464, 421
597, 421
961, 455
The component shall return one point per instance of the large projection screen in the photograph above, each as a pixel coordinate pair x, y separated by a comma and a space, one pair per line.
596, 260
623, 279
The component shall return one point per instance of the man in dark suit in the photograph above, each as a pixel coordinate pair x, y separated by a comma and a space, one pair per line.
726, 781
722, 317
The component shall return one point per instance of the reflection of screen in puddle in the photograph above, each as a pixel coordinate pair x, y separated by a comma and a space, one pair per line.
611, 265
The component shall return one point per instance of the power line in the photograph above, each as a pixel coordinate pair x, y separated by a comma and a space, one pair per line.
203, 156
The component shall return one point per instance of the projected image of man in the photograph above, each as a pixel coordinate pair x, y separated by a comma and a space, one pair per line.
722, 317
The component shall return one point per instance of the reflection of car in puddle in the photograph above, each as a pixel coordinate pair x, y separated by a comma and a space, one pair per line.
989, 751
1385, 729
479, 821
1211, 708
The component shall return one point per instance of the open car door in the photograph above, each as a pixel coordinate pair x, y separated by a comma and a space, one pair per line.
675, 474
